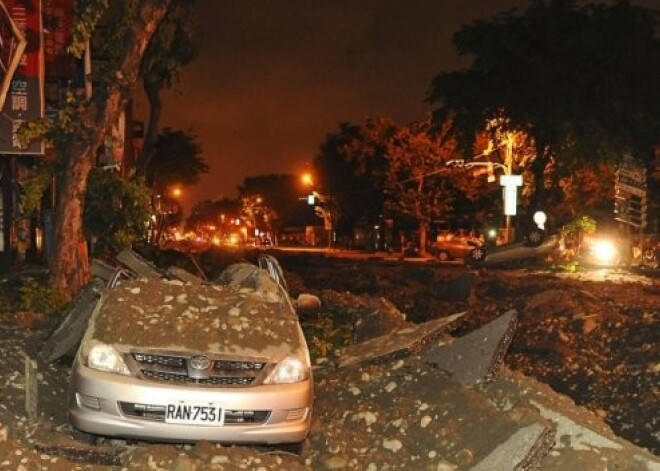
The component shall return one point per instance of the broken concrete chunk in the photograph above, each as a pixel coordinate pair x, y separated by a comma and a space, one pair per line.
137, 264
66, 337
523, 450
184, 275
399, 344
100, 269
477, 356
582, 440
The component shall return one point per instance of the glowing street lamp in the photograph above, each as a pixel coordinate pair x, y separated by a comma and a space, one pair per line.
176, 192
307, 179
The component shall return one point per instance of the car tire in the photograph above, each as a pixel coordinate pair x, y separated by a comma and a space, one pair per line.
476, 255
535, 237
443, 256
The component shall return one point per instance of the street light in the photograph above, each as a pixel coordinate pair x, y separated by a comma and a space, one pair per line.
509, 183
322, 204
307, 179
176, 192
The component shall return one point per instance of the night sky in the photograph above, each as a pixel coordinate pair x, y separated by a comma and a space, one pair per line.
274, 77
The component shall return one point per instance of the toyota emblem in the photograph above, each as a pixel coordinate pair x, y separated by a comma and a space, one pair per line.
200, 362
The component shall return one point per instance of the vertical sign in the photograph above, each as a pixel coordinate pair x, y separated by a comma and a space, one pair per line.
630, 193
25, 99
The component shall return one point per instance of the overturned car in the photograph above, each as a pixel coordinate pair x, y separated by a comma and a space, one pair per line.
167, 360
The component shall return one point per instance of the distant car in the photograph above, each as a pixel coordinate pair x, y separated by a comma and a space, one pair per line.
535, 246
454, 247
172, 361
603, 250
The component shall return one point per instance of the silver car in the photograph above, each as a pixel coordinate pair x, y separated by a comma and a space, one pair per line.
172, 361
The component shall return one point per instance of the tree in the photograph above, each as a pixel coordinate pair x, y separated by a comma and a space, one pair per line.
258, 214
350, 169
170, 49
78, 130
419, 184
581, 82
116, 211
177, 161
212, 212
281, 193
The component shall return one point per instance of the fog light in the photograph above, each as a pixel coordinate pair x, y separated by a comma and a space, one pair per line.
296, 414
90, 402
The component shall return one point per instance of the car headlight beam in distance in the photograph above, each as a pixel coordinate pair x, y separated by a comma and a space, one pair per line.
604, 251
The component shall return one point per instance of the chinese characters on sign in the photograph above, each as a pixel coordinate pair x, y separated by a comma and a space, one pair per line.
630, 201
21, 19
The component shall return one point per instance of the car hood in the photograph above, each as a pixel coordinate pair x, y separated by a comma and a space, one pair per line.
212, 319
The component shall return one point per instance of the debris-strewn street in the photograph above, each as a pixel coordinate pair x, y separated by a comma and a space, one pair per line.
417, 366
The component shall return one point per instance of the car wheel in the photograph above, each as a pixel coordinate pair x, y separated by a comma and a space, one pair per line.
535, 237
476, 255
444, 256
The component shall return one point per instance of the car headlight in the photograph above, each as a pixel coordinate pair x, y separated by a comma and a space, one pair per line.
605, 251
104, 357
289, 370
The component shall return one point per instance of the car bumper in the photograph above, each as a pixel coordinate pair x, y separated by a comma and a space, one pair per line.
105, 404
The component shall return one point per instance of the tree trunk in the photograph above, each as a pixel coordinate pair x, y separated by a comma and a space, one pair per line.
538, 170
423, 236
69, 269
152, 90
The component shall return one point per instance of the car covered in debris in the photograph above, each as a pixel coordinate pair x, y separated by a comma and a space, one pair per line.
170, 360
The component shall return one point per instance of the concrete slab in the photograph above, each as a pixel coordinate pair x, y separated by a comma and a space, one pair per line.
477, 356
404, 411
67, 335
399, 344
100, 269
183, 275
582, 439
523, 450
137, 264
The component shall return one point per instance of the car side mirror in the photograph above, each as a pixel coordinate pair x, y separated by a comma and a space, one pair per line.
307, 304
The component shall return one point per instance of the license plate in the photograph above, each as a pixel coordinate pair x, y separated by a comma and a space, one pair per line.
193, 414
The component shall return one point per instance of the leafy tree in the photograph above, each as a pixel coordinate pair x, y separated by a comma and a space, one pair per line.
259, 215
350, 168
116, 211
78, 130
580, 81
281, 193
419, 184
587, 190
177, 161
210, 212
170, 49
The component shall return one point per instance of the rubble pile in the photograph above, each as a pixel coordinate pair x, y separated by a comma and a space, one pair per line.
446, 371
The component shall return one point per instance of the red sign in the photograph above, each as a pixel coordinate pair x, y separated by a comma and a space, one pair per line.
25, 99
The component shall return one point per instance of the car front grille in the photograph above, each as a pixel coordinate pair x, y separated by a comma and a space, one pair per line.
222, 372
184, 378
157, 414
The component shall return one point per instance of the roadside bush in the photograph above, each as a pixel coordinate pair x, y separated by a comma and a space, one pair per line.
30, 294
